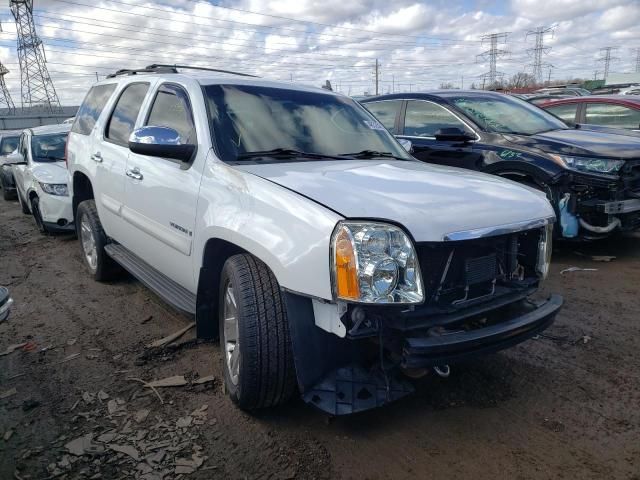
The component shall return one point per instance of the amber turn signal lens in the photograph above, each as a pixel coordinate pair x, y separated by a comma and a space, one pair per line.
347, 286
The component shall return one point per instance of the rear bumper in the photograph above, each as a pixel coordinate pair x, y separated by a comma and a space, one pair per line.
419, 352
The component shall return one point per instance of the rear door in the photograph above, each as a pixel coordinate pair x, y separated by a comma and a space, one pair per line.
612, 115
162, 193
110, 151
420, 122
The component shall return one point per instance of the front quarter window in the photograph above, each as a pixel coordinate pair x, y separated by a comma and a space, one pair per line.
249, 118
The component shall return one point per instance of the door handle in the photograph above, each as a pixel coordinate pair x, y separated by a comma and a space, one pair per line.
96, 157
134, 173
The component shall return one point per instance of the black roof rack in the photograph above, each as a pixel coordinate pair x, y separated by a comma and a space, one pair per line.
161, 68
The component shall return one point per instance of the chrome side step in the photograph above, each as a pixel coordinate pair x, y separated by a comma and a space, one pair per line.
177, 296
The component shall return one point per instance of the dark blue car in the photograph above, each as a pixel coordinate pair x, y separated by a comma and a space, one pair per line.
592, 178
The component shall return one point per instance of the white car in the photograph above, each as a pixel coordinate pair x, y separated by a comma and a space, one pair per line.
8, 154
41, 178
290, 221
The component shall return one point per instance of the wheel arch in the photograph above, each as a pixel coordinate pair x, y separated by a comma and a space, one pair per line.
82, 190
215, 254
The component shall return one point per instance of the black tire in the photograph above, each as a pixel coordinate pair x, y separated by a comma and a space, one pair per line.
266, 374
105, 267
23, 204
37, 216
7, 195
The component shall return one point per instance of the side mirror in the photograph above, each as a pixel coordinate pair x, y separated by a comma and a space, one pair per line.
406, 144
160, 142
453, 134
5, 304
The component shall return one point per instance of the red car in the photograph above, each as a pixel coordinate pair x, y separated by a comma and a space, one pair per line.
613, 111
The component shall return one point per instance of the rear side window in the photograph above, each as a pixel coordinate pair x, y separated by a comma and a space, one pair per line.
385, 111
610, 115
124, 115
566, 113
171, 108
424, 119
91, 108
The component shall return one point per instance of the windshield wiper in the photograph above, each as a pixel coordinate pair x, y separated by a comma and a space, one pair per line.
52, 158
371, 154
282, 153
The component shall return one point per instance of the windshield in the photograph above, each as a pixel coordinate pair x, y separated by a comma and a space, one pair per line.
246, 119
8, 145
506, 114
48, 148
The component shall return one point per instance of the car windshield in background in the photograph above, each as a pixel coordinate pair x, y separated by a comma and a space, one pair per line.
250, 122
8, 145
48, 148
507, 115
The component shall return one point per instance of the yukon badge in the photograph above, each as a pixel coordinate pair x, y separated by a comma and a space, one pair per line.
182, 229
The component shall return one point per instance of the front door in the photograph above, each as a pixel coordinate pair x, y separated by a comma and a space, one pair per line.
162, 194
421, 121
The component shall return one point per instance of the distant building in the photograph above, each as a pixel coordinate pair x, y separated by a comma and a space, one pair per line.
622, 79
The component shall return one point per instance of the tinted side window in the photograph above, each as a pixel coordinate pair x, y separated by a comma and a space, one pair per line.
566, 113
91, 108
125, 113
611, 115
171, 108
424, 119
385, 112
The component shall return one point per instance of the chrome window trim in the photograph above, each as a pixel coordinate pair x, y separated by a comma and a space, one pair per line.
498, 229
471, 129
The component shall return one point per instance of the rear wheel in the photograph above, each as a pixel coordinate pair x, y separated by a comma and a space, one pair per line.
92, 241
254, 335
37, 216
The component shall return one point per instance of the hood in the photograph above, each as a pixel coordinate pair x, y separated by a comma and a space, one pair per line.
590, 142
430, 201
13, 157
54, 172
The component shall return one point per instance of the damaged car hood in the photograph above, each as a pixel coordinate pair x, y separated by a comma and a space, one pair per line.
53, 172
430, 201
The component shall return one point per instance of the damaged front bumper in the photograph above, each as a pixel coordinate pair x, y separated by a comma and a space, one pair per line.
600, 204
364, 368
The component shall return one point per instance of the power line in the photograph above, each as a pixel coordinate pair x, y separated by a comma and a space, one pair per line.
607, 59
539, 49
5, 98
492, 55
36, 85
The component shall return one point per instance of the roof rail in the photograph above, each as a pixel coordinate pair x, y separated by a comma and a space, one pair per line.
156, 66
135, 71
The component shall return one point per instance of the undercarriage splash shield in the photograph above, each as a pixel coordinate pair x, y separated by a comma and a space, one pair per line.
354, 389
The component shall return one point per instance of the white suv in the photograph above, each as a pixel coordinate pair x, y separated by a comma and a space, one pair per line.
290, 221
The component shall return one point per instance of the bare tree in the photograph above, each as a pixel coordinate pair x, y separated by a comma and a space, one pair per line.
522, 80
447, 86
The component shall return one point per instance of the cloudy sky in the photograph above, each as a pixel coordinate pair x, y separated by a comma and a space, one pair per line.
419, 44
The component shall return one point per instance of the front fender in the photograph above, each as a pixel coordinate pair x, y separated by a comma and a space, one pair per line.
288, 232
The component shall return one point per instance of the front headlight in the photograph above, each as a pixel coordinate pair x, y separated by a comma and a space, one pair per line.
588, 164
375, 263
59, 189
545, 247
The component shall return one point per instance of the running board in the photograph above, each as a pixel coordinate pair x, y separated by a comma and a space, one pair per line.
177, 296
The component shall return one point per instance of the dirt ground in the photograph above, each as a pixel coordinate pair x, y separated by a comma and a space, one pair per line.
563, 405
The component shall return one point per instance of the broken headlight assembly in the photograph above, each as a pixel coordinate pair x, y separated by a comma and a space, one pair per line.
545, 247
588, 164
375, 263
59, 189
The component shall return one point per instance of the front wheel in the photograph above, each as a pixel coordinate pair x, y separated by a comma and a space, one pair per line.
257, 361
92, 241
